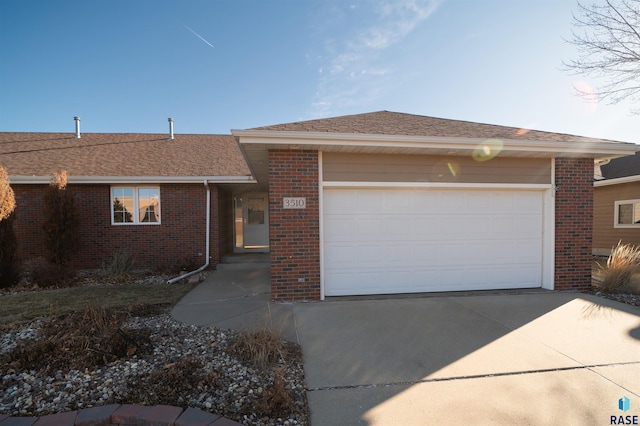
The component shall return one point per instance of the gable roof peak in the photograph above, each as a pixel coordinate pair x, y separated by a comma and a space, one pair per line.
404, 124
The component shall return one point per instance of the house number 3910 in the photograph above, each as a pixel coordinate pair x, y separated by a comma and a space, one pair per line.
294, 202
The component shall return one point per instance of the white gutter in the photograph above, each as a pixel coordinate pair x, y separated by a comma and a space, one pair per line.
616, 181
207, 234
577, 146
17, 179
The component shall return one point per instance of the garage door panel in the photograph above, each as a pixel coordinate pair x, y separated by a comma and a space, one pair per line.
371, 255
338, 227
420, 240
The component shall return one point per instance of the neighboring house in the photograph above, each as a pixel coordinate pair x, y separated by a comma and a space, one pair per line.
616, 199
373, 203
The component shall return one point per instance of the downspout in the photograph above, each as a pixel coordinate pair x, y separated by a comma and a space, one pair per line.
207, 234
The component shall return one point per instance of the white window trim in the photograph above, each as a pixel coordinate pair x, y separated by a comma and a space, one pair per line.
135, 205
616, 215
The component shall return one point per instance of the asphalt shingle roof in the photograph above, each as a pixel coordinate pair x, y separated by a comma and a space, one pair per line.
395, 123
122, 154
622, 167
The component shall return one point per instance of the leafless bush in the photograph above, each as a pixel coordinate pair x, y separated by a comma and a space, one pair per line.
89, 338
276, 399
121, 264
618, 274
172, 385
262, 347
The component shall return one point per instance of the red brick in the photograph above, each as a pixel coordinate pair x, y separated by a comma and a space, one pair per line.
128, 414
180, 235
196, 417
59, 419
96, 415
160, 415
294, 234
574, 223
18, 421
225, 422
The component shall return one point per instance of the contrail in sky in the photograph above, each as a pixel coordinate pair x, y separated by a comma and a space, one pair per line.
197, 35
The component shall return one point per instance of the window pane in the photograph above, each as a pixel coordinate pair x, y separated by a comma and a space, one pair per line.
122, 205
636, 212
149, 205
625, 214
256, 211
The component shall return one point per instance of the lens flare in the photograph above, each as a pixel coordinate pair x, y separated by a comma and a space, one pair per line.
445, 171
588, 95
487, 150
453, 169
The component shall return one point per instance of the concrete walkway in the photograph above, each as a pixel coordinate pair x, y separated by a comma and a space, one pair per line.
540, 358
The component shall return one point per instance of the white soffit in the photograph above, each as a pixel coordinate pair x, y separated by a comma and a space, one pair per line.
401, 144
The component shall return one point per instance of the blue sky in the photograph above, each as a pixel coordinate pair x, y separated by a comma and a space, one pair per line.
126, 66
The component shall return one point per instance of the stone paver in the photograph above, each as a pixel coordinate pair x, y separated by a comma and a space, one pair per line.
98, 416
160, 415
59, 419
196, 417
128, 414
18, 421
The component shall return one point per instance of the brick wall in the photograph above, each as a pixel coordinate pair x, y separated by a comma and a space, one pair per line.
180, 235
294, 235
574, 223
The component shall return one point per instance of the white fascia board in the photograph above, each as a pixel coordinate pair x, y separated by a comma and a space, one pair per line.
271, 137
441, 185
617, 181
134, 179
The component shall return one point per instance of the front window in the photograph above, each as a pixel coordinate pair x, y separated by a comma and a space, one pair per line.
135, 205
627, 214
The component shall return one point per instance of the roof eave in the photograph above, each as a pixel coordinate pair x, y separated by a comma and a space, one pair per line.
617, 181
594, 149
133, 179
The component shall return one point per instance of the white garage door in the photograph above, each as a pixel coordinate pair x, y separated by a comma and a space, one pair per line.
382, 241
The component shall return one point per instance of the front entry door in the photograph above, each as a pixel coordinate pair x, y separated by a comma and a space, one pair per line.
252, 223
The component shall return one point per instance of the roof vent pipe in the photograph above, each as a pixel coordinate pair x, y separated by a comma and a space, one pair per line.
77, 127
170, 128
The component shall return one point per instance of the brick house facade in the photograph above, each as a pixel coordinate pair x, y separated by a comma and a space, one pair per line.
178, 240
429, 153
389, 202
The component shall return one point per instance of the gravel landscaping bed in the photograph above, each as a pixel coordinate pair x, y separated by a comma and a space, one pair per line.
629, 299
45, 371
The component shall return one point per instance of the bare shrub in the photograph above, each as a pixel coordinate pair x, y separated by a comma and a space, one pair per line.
8, 247
46, 274
80, 340
262, 347
61, 221
174, 384
8, 242
7, 197
276, 400
618, 274
122, 264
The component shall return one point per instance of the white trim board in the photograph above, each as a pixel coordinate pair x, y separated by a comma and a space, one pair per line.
439, 185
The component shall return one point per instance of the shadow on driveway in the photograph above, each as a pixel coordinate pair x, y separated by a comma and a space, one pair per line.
542, 358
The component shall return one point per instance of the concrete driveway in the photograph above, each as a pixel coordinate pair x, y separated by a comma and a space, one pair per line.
540, 358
